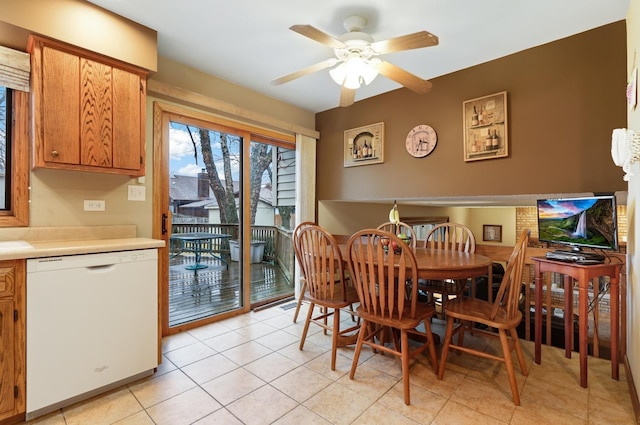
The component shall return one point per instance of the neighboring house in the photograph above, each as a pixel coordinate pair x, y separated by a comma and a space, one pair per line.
265, 214
184, 191
191, 196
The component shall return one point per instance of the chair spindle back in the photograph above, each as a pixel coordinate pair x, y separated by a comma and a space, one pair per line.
451, 237
380, 277
321, 262
511, 285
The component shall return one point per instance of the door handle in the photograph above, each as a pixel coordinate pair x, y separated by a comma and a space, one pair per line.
164, 224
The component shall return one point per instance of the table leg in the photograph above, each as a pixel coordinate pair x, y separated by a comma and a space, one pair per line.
538, 315
615, 320
583, 329
568, 316
596, 318
198, 251
549, 303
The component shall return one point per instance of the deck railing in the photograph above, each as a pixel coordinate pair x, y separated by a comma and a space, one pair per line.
278, 241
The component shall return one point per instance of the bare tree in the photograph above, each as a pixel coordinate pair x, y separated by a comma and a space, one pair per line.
260, 161
224, 192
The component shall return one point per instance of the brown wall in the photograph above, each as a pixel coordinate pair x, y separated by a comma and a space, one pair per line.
564, 100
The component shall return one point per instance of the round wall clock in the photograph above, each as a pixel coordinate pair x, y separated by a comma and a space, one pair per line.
421, 141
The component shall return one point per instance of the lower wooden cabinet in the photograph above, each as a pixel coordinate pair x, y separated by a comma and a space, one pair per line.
12, 341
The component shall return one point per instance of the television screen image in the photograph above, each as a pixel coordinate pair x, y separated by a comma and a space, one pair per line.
579, 222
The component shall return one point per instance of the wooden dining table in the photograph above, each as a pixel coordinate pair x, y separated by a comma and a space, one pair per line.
437, 264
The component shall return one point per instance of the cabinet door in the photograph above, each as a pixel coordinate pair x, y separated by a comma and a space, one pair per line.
89, 110
59, 107
96, 118
128, 117
7, 360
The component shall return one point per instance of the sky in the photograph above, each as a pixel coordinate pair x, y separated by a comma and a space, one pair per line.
181, 158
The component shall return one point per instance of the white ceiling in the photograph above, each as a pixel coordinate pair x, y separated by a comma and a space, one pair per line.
247, 42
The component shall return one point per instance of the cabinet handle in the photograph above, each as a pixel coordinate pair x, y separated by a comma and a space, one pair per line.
54, 153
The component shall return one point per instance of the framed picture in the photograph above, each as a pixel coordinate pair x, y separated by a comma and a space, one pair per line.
492, 232
364, 145
486, 134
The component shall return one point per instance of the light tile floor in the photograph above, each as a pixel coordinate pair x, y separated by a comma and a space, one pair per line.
249, 370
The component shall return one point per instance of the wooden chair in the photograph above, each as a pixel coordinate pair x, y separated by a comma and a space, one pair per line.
303, 289
380, 279
502, 315
399, 228
448, 237
323, 270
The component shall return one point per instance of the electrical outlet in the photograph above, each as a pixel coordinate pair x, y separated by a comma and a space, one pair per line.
93, 205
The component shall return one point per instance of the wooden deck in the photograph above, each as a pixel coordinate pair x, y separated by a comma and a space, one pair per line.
196, 294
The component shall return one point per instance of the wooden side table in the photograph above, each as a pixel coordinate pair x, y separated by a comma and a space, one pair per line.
583, 274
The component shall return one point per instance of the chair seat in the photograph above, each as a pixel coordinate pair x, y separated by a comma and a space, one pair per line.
423, 312
480, 311
340, 298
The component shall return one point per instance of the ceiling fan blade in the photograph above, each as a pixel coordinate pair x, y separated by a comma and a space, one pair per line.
347, 96
407, 79
317, 35
416, 40
305, 71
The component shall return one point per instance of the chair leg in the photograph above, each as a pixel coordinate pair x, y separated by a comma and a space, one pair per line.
306, 325
518, 348
445, 347
334, 337
364, 330
404, 354
461, 330
432, 346
302, 291
506, 351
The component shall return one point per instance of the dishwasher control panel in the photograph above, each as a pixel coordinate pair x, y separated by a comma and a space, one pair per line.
89, 260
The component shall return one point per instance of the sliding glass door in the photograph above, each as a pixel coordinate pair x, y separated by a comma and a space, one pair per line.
271, 216
228, 197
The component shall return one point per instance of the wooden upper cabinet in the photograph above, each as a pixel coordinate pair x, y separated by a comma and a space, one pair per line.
88, 110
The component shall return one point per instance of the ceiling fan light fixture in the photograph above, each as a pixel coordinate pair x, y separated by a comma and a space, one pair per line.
339, 73
369, 72
353, 73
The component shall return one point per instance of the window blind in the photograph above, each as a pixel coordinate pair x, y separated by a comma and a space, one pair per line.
15, 68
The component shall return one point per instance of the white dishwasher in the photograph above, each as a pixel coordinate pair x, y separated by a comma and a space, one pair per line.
92, 325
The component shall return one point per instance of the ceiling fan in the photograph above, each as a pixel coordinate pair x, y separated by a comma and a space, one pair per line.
357, 58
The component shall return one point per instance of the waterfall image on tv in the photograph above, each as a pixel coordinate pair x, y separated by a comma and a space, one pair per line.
579, 222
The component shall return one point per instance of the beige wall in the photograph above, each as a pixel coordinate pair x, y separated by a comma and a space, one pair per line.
633, 236
564, 99
237, 97
80, 23
57, 196
345, 218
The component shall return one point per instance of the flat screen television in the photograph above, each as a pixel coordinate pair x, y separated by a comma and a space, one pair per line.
579, 222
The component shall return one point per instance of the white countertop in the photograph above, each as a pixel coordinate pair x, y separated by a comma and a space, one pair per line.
40, 249
36, 242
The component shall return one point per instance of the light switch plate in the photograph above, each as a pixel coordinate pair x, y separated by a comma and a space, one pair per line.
137, 193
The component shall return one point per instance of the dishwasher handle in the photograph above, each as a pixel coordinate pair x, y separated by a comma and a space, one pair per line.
102, 268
